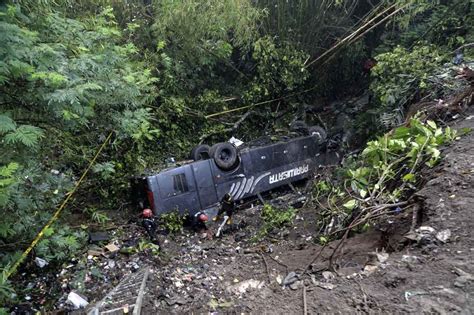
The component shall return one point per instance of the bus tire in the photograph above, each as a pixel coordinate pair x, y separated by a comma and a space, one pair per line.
225, 155
319, 132
200, 152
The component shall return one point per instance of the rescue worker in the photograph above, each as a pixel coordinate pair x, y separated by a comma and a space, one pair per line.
227, 207
149, 223
199, 221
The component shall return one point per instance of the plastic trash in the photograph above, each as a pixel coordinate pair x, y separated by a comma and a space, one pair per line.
76, 300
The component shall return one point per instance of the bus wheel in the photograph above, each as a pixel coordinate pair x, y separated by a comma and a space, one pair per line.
200, 152
225, 155
318, 131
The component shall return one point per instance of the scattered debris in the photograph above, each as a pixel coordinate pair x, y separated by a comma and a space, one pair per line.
410, 259
443, 235
376, 258
97, 237
244, 286
40, 262
324, 285
369, 269
214, 304
409, 294
290, 278
423, 235
382, 257
112, 248
176, 300
236, 142
76, 300
296, 285
279, 279
328, 275
93, 252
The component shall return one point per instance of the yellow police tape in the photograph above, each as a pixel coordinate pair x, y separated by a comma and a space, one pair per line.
12, 270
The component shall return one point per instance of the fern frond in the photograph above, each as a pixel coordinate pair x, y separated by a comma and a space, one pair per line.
25, 134
6, 124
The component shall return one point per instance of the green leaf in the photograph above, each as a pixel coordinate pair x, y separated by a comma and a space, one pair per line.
350, 204
48, 232
401, 132
432, 124
410, 177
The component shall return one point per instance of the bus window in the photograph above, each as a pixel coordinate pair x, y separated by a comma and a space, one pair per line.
180, 185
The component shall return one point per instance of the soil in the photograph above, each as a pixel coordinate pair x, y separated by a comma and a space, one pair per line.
388, 269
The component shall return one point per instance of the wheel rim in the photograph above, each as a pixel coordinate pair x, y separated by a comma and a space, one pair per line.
224, 155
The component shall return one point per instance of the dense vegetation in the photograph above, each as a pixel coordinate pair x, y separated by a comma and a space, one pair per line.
152, 73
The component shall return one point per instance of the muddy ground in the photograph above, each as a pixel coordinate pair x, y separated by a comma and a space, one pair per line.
385, 269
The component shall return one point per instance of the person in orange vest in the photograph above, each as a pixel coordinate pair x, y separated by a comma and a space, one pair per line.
199, 221
149, 223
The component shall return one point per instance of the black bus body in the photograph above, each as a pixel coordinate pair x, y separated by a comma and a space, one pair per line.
200, 185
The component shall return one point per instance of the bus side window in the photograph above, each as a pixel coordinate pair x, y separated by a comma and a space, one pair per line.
180, 184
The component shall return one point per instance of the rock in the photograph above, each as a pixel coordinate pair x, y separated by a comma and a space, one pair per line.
443, 235
328, 275
40, 262
460, 282
290, 278
76, 300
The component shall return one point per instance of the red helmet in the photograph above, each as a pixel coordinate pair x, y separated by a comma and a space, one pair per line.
147, 213
203, 217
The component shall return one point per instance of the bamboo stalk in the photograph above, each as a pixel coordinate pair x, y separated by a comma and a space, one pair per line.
352, 35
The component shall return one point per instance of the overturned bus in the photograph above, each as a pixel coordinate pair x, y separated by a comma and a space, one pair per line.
223, 168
